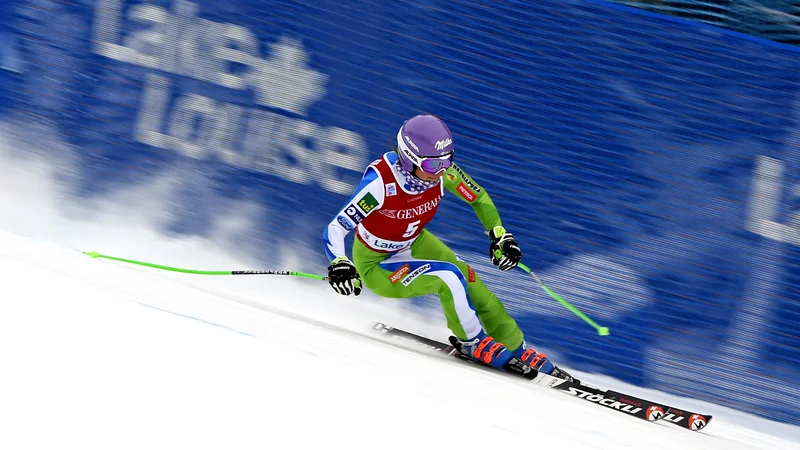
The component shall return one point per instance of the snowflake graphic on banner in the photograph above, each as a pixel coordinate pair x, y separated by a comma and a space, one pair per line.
283, 79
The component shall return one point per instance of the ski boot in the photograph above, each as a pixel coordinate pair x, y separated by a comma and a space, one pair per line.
486, 350
539, 362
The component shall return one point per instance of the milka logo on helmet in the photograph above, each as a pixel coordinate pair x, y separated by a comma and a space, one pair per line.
411, 143
440, 145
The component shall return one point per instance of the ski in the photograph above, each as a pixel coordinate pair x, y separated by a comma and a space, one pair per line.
628, 404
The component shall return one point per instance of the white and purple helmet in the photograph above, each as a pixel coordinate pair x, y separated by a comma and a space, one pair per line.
425, 141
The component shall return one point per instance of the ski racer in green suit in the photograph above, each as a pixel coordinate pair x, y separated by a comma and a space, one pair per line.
396, 257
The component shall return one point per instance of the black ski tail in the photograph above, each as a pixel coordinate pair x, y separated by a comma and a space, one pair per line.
430, 344
514, 366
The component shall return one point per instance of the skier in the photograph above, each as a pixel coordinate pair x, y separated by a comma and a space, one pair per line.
397, 257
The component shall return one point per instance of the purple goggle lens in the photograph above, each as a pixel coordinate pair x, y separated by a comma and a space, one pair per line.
435, 166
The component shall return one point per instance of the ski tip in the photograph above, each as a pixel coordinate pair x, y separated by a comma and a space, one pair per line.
92, 253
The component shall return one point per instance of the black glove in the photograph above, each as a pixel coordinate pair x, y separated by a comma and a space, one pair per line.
503, 250
343, 276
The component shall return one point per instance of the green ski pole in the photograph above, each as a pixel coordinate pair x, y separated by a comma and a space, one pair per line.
602, 331
94, 254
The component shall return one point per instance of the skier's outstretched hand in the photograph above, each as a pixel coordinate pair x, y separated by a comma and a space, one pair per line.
503, 250
343, 276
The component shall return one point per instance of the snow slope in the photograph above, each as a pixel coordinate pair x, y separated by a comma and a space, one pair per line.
97, 354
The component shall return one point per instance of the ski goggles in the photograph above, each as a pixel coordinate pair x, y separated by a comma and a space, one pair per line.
436, 164
433, 165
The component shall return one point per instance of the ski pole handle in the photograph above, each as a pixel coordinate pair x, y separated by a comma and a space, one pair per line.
94, 254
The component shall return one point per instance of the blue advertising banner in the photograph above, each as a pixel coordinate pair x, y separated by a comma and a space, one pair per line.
647, 165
